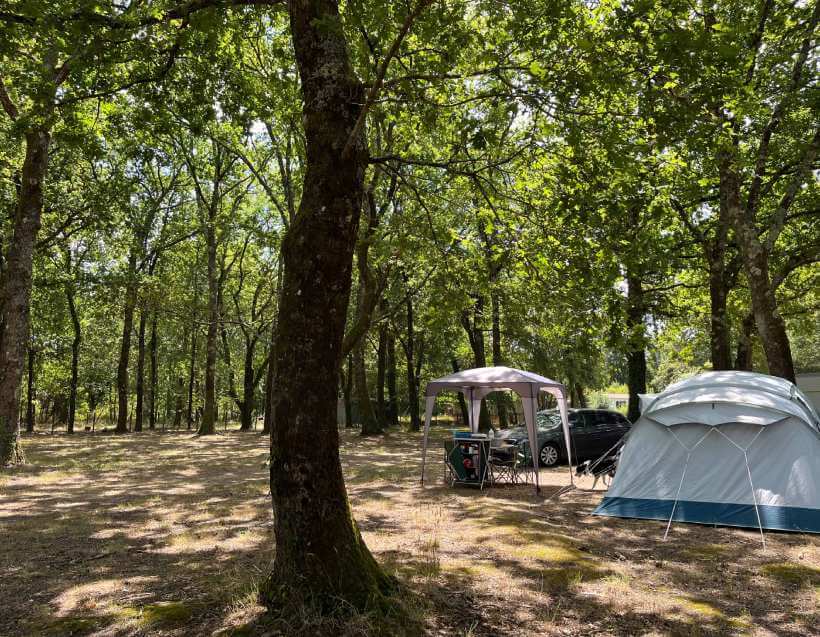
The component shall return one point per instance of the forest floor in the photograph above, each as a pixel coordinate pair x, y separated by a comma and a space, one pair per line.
167, 534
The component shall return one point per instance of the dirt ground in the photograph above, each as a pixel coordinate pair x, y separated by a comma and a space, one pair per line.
167, 534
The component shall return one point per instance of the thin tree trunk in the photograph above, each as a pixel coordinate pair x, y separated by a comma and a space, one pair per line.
370, 424
636, 354
719, 335
153, 381
208, 425
462, 404
125, 344
321, 558
381, 369
412, 380
16, 293
475, 335
32, 355
138, 411
498, 358
191, 378
178, 402
347, 392
75, 358
392, 393
248, 389
743, 360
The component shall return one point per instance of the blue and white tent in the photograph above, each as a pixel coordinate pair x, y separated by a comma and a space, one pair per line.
727, 448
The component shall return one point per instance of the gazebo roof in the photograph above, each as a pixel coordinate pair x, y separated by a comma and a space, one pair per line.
490, 377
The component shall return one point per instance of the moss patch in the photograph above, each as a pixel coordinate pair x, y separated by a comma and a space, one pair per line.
792, 573
165, 614
68, 626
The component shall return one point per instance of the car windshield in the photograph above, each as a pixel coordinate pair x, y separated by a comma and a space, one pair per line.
548, 419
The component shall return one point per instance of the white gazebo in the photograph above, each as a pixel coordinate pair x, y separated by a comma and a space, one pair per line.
476, 383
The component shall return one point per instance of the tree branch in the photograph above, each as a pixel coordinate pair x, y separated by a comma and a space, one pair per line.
8, 105
374, 90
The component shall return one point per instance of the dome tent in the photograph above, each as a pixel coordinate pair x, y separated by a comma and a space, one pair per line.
729, 448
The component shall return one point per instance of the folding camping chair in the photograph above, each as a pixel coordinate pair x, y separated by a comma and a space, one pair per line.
507, 464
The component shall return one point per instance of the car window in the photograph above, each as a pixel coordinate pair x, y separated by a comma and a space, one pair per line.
599, 419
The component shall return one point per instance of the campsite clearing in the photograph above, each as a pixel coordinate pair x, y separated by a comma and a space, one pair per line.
165, 534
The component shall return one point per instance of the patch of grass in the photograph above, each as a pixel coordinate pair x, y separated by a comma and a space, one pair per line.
165, 614
68, 626
708, 552
791, 573
559, 579
700, 607
550, 553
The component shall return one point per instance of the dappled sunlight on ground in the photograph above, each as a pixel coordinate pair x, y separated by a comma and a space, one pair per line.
169, 534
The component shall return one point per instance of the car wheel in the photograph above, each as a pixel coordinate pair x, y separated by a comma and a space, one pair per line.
548, 457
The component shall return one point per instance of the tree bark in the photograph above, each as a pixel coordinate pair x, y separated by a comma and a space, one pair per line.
412, 379
248, 388
321, 559
501, 398
381, 369
743, 359
75, 358
636, 354
153, 381
208, 425
125, 344
475, 334
719, 334
392, 393
770, 325
191, 379
370, 424
140, 384
32, 354
16, 293
269, 379
462, 404
347, 392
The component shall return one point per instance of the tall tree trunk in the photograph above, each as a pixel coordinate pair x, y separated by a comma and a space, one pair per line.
719, 335
475, 335
125, 344
347, 392
16, 293
743, 360
771, 328
140, 399
179, 402
381, 369
370, 424
636, 353
32, 355
321, 559
501, 398
153, 381
248, 389
208, 425
462, 404
191, 379
75, 358
269, 379
392, 393
412, 380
